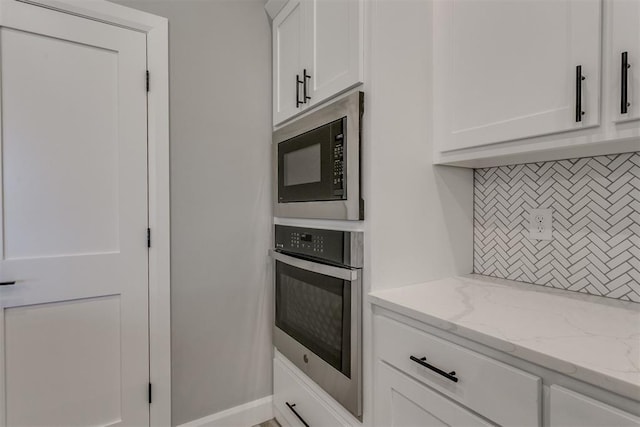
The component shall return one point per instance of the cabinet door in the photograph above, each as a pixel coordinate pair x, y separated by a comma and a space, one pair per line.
506, 70
295, 402
492, 389
572, 409
624, 36
335, 54
403, 402
288, 45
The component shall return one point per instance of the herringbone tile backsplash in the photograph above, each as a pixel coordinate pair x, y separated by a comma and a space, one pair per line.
595, 205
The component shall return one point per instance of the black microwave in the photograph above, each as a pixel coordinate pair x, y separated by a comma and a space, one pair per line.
317, 163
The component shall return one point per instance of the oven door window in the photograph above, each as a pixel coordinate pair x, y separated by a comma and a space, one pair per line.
309, 165
315, 310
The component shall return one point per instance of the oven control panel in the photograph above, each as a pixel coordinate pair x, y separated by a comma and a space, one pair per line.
328, 245
307, 242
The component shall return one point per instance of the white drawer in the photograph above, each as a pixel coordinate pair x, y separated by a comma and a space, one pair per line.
288, 389
571, 409
503, 394
400, 401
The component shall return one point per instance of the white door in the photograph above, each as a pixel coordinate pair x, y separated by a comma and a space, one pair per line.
403, 402
624, 47
335, 56
507, 70
288, 44
74, 326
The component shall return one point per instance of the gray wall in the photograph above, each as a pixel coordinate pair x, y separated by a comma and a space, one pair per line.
220, 88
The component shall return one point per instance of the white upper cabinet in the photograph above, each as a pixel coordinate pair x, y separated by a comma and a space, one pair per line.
317, 53
287, 60
508, 70
336, 50
622, 59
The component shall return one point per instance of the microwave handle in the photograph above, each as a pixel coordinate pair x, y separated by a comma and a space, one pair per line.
327, 270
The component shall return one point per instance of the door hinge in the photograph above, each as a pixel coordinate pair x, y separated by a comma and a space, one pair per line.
149, 393
147, 80
148, 237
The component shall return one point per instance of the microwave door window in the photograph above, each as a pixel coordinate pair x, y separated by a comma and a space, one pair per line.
310, 165
303, 166
315, 310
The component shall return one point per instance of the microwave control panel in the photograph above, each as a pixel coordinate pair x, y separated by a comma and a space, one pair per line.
338, 162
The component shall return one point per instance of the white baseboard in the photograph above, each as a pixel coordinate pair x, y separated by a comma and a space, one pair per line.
246, 415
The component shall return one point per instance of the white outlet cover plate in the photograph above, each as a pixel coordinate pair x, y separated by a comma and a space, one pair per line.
540, 224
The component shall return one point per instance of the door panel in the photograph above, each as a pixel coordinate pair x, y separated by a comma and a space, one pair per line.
571, 409
287, 45
42, 163
402, 402
77, 358
407, 413
335, 47
499, 78
624, 22
74, 327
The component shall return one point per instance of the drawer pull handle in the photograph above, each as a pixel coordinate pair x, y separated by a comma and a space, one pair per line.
298, 83
423, 362
624, 102
306, 78
579, 79
290, 406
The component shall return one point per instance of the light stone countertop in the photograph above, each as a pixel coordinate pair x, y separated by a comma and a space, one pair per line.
593, 339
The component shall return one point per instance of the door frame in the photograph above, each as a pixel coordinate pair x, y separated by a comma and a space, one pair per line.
156, 29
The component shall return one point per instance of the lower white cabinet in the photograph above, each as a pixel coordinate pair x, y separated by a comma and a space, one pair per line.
425, 380
499, 392
403, 402
571, 409
297, 404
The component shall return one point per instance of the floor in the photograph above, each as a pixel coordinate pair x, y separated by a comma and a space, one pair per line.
270, 423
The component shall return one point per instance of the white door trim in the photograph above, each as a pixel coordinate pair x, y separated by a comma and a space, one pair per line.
157, 31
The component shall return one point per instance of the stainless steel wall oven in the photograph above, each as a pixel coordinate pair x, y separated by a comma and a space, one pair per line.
318, 322
317, 163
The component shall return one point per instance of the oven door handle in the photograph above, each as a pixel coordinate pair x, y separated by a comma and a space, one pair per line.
316, 267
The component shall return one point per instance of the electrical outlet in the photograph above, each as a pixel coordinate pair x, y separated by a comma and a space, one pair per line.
540, 224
